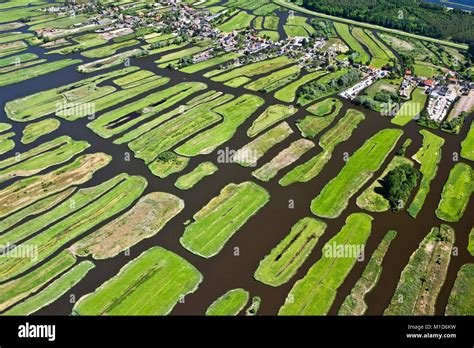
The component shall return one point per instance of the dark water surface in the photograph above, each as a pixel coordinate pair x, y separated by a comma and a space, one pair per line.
263, 231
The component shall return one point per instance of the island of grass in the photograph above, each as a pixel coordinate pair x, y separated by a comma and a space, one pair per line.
33, 131
43, 156
35, 71
249, 154
456, 193
315, 292
467, 146
123, 118
354, 303
288, 93
328, 141
224, 58
234, 113
324, 113
360, 167
231, 303
283, 159
18, 289
272, 115
144, 220
422, 278
151, 284
274, 80
222, 217
331, 83
108, 62
470, 244
253, 308
37, 187
371, 199
108, 50
428, 156
53, 291
239, 21
167, 163
461, 301
253, 69
188, 122
187, 181
125, 191
286, 258
412, 108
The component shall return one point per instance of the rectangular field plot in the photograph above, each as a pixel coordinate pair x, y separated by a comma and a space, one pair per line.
151, 284
286, 258
222, 217
316, 291
231, 303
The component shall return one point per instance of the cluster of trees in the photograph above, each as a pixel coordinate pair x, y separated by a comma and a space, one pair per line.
453, 125
323, 28
380, 100
397, 185
315, 89
414, 16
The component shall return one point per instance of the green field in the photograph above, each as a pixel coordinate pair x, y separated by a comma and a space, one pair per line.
33, 188
411, 109
274, 80
360, 167
324, 112
456, 193
231, 303
467, 145
188, 181
272, 115
341, 131
271, 22
222, 217
283, 159
53, 291
380, 55
282, 263
460, 300
429, 155
43, 156
33, 131
316, 291
239, 21
354, 303
254, 69
35, 71
233, 113
150, 284
373, 201
248, 155
16, 290
108, 50
210, 62
343, 31
56, 235
145, 219
288, 93
422, 278
120, 119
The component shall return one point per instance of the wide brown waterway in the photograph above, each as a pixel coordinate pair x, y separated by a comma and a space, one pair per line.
234, 266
